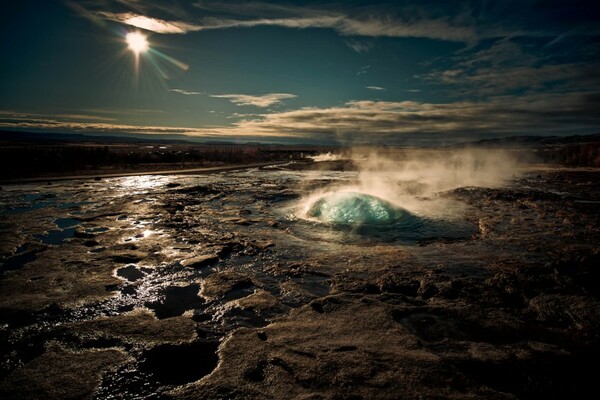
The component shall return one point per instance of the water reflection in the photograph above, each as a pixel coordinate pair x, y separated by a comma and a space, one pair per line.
139, 184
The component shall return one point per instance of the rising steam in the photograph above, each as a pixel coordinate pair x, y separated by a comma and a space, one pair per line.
414, 179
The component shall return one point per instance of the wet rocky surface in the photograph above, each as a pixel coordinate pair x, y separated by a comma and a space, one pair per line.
210, 287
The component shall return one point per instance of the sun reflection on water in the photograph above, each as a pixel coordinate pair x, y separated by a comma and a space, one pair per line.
139, 184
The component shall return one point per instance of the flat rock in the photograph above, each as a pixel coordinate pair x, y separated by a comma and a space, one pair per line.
130, 257
140, 326
42, 283
259, 300
348, 346
222, 283
61, 374
582, 312
205, 260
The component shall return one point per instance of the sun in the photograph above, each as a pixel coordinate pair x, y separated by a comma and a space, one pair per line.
137, 42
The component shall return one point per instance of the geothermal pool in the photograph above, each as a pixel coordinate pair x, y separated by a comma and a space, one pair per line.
358, 209
368, 218
284, 279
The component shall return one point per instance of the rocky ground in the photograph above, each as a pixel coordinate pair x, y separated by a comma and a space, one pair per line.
207, 288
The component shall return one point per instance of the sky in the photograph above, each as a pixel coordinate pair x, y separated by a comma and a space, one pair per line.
344, 72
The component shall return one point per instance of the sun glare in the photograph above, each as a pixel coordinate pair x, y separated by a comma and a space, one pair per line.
137, 42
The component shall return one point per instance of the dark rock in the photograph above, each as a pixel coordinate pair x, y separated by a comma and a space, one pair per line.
201, 261
226, 283
581, 312
262, 245
256, 373
427, 289
449, 290
396, 283
343, 284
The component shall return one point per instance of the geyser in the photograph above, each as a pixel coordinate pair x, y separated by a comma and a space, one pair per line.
355, 209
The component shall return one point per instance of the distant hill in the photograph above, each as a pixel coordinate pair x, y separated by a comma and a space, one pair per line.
128, 138
526, 141
56, 137
573, 151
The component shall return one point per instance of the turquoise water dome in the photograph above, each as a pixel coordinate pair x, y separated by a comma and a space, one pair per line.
353, 217
355, 209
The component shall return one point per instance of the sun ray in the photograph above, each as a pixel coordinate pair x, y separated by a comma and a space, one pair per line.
177, 63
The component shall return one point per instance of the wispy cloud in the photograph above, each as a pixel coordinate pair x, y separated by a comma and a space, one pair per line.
303, 18
492, 80
127, 112
360, 46
56, 124
148, 23
85, 117
509, 65
363, 70
372, 121
186, 92
468, 23
441, 28
264, 100
377, 88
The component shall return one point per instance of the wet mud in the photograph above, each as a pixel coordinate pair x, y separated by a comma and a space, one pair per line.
213, 287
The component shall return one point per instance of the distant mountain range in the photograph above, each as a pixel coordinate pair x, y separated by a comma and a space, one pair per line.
112, 138
532, 141
57, 138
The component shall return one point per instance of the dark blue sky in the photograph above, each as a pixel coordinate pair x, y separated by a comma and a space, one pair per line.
348, 72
